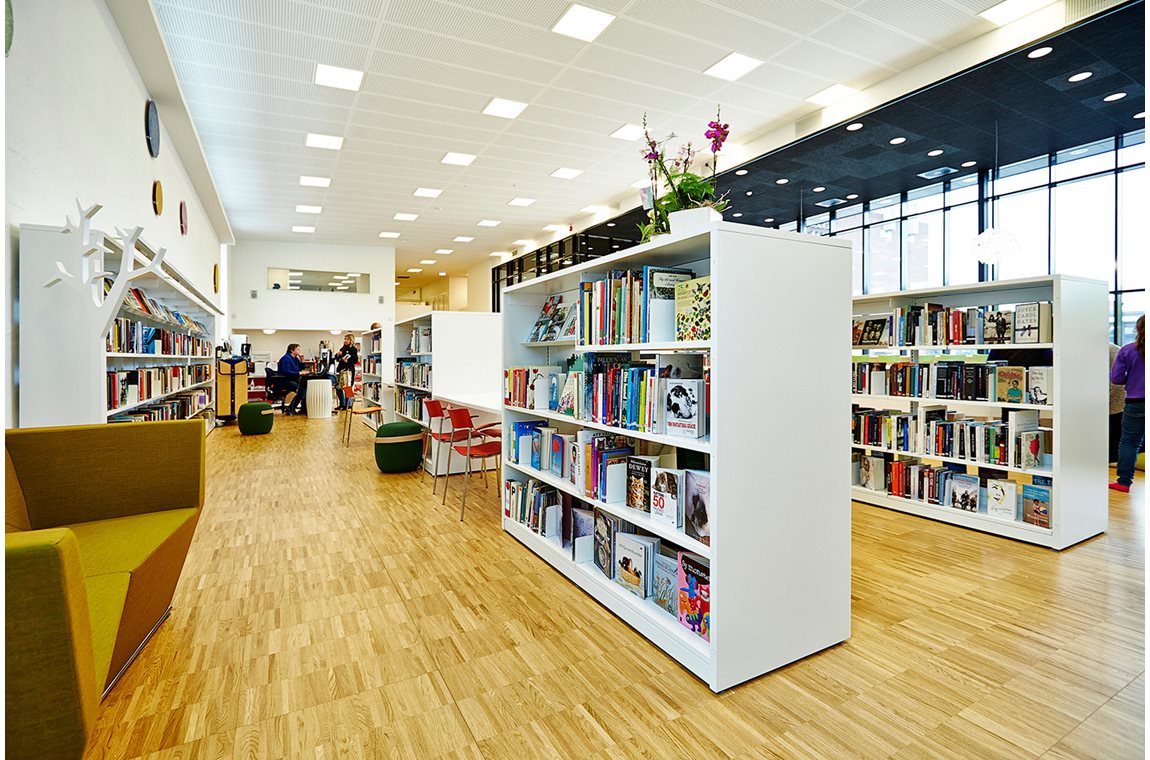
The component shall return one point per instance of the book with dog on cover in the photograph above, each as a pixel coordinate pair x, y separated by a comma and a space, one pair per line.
684, 408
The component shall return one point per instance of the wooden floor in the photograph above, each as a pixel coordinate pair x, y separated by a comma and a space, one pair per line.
329, 611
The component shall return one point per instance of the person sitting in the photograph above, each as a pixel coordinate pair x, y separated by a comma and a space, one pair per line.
291, 367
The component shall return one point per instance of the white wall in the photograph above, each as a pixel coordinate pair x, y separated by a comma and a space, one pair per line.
249, 261
479, 286
75, 131
275, 345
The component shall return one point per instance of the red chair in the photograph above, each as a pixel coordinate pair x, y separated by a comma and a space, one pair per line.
461, 423
436, 411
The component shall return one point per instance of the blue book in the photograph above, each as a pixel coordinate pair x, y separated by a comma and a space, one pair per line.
518, 430
537, 449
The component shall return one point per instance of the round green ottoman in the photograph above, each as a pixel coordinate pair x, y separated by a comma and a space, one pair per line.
256, 418
398, 447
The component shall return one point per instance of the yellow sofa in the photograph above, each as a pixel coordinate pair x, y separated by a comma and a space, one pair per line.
98, 521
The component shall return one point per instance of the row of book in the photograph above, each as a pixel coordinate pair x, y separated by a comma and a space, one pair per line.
966, 381
650, 305
373, 343
678, 582
129, 336
608, 467
411, 372
990, 492
138, 300
371, 391
420, 341
668, 395
1020, 440
179, 407
409, 403
127, 387
370, 365
933, 324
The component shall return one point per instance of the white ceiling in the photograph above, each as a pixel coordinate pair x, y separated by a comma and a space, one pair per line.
246, 71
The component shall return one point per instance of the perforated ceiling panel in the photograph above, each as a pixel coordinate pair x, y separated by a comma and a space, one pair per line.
431, 66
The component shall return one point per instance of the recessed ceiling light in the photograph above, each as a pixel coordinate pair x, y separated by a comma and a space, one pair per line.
463, 239
507, 109
405, 217
737, 214
781, 181
610, 224
628, 132
852, 196
733, 66
592, 209
740, 172
340, 277
935, 152
1081, 76
1039, 52
818, 189
302, 228
769, 219
487, 223
1114, 97
520, 201
641, 183
499, 253
1078, 151
1140, 115
855, 127
389, 234
750, 192
315, 181
566, 173
414, 270
265, 331
333, 283
427, 192
295, 274
328, 142
457, 159
555, 227
897, 140
968, 164
428, 261
832, 94
523, 242
1012, 10
582, 23
443, 274
308, 209
445, 251
334, 76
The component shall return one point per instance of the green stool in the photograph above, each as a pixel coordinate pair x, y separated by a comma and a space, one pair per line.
399, 447
256, 418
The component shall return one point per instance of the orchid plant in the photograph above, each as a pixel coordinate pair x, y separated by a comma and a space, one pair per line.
683, 188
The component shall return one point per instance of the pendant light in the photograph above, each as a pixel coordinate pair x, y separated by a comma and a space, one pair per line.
992, 246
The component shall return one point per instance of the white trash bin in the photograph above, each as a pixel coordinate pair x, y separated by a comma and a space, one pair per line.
319, 399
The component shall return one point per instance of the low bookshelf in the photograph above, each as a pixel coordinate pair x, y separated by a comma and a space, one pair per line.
369, 374
1000, 395
774, 545
138, 337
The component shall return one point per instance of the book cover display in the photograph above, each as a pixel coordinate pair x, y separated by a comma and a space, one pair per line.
964, 490
1010, 384
998, 326
1036, 505
694, 582
639, 476
1002, 499
693, 309
697, 505
684, 408
667, 496
664, 582
1039, 385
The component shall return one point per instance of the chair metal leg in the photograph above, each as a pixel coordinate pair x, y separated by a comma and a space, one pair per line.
447, 474
467, 477
483, 469
422, 456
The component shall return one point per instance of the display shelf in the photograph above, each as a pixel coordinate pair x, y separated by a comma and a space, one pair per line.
635, 517
563, 343
1078, 469
779, 571
173, 357
412, 387
868, 398
161, 397
641, 614
1044, 472
702, 444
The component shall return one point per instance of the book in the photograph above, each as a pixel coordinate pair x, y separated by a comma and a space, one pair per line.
679, 366
964, 491
997, 326
1030, 449
634, 558
1032, 323
1039, 385
559, 459
1002, 499
872, 472
658, 318
558, 318
694, 581
871, 331
664, 581
683, 408
570, 328
639, 469
1036, 505
1010, 384
693, 309
537, 449
544, 319
605, 527
570, 395
582, 534
697, 505
667, 496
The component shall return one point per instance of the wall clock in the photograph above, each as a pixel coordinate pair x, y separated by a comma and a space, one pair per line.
157, 197
152, 128
183, 218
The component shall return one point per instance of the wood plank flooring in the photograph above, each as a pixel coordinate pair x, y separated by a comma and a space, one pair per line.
327, 611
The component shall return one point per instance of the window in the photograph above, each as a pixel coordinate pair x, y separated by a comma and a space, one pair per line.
1083, 160
922, 244
1022, 175
1132, 206
882, 258
926, 198
962, 190
961, 231
1025, 217
1131, 306
856, 238
1083, 234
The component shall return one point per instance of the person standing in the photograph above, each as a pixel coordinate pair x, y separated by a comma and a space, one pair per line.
346, 359
1117, 401
1130, 370
290, 366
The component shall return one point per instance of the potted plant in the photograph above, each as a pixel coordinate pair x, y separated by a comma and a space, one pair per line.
688, 200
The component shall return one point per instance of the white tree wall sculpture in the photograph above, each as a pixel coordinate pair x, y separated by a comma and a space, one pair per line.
84, 270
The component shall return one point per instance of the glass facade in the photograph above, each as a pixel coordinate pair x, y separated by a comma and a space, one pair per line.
1074, 212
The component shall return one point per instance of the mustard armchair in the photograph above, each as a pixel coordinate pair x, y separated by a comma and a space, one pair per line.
98, 522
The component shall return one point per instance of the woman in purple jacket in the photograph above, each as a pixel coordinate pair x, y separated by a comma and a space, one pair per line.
1130, 370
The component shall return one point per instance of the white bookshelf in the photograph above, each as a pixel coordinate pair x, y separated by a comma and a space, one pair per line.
376, 346
780, 522
465, 364
1077, 414
64, 319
